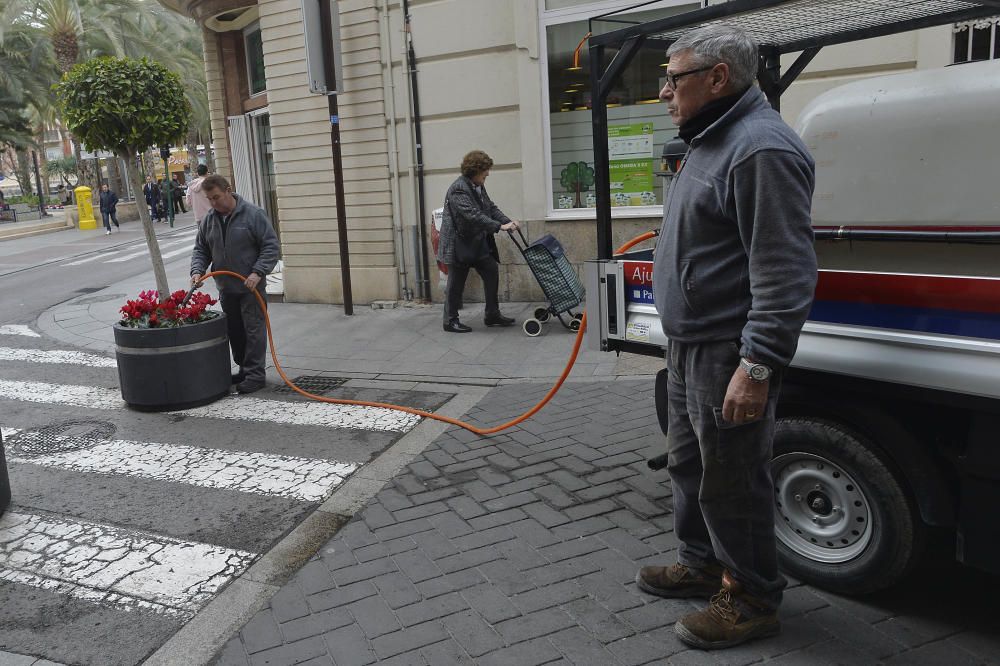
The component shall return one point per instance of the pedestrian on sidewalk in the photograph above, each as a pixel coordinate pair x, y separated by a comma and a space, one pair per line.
151, 192
196, 200
108, 202
470, 221
237, 236
177, 192
733, 279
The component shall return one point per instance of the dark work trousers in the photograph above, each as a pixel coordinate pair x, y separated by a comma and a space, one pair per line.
247, 333
105, 214
723, 494
489, 271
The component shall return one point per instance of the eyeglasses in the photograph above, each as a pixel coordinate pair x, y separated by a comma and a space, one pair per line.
672, 77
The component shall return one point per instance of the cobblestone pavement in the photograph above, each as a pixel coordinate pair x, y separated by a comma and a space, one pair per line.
521, 549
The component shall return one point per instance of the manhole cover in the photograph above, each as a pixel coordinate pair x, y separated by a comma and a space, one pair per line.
60, 438
102, 298
317, 384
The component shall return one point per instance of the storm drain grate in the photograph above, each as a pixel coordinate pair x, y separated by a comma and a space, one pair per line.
60, 438
317, 384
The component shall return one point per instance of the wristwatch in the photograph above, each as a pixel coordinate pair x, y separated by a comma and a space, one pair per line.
758, 372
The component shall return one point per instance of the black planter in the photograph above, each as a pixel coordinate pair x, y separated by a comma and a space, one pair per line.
173, 368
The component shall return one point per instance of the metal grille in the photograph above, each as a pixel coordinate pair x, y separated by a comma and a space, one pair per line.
60, 438
798, 24
317, 384
556, 277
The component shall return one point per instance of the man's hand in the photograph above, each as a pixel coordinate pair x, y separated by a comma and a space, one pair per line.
252, 281
196, 279
745, 398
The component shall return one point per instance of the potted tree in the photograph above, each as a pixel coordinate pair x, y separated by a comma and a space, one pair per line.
170, 354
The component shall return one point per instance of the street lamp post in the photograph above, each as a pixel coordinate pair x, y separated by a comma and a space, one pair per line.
165, 154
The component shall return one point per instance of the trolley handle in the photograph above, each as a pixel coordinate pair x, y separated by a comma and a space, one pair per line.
523, 245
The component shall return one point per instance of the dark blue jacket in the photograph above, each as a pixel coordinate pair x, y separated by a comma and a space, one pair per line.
109, 201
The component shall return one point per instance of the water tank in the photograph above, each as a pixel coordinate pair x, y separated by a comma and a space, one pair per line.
914, 149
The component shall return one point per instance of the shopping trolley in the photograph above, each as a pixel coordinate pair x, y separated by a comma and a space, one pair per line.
555, 275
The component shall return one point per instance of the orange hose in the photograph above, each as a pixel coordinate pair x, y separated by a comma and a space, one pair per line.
419, 412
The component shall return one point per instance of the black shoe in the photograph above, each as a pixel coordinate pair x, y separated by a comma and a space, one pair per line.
247, 386
497, 319
455, 326
238, 378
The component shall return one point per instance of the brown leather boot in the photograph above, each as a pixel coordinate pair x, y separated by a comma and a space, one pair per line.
679, 581
732, 617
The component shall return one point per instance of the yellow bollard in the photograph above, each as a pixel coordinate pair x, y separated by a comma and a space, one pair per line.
85, 208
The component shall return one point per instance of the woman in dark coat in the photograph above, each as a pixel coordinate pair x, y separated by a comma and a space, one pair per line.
470, 221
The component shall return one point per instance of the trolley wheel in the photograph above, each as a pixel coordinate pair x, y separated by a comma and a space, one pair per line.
532, 327
542, 314
578, 316
574, 325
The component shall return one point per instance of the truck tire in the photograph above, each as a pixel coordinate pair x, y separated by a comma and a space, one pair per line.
843, 520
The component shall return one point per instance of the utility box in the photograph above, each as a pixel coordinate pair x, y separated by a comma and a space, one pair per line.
85, 208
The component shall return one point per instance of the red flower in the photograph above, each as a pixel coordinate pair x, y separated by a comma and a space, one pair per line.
148, 311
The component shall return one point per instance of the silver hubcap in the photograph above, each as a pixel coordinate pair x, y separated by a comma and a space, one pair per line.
821, 512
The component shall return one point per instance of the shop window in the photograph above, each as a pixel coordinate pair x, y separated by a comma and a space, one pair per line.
638, 124
976, 40
255, 61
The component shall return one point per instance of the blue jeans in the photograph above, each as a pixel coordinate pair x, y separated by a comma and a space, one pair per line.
105, 214
723, 493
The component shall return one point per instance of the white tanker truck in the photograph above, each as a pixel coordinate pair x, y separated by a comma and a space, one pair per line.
889, 419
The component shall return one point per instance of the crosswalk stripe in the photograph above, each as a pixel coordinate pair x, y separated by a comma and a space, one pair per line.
176, 252
304, 479
145, 251
241, 408
131, 570
187, 239
56, 356
18, 329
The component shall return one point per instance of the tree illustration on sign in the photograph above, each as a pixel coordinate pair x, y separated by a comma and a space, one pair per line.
577, 177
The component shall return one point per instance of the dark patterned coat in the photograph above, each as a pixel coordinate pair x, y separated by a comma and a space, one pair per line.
467, 214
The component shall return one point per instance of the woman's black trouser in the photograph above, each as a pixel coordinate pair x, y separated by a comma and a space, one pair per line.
489, 271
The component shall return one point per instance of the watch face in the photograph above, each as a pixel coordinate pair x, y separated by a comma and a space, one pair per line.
759, 372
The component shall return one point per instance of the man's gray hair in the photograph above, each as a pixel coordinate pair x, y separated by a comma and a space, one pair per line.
720, 42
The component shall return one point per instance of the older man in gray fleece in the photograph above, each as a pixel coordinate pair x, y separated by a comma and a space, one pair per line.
237, 236
733, 280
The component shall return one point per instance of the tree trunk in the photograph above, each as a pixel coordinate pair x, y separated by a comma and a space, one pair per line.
116, 183
22, 174
147, 225
209, 156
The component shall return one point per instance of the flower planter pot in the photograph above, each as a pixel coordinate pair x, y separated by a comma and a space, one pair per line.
173, 368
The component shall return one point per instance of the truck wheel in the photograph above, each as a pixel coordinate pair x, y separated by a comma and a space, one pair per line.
842, 519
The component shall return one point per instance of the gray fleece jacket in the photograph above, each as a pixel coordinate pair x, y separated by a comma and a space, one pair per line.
246, 245
735, 258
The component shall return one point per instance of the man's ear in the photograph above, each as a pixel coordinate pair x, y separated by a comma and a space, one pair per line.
719, 77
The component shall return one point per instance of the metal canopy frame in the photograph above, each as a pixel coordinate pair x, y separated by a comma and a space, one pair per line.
779, 26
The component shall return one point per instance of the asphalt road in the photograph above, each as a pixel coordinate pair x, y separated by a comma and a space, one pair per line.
125, 524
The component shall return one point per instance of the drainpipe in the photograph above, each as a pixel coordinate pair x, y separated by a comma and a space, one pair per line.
411, 61
390, 94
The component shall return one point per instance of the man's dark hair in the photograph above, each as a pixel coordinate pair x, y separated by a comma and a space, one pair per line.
202, 169
215, 182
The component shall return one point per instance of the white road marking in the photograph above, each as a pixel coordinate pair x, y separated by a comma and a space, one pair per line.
18, 329
145, 250
241, 408
127, 569
104, 255
176, 252
304, 479
56, 356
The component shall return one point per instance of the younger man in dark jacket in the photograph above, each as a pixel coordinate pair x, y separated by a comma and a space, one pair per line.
237, 236
109, 208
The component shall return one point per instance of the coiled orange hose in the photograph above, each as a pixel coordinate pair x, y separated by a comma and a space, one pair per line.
419, 412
